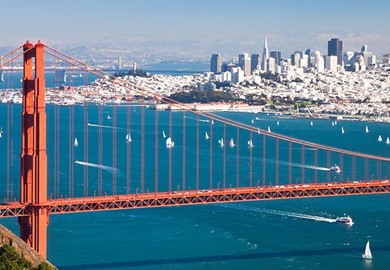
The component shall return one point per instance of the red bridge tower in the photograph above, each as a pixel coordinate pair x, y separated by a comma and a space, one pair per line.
33, 160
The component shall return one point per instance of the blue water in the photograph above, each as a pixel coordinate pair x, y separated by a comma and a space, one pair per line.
252, 235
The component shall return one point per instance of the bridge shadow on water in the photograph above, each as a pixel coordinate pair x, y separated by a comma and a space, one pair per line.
219, 258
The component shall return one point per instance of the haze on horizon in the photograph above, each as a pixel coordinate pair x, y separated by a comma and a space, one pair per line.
197, 28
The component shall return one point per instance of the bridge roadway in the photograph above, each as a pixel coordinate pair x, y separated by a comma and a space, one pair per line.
191, 197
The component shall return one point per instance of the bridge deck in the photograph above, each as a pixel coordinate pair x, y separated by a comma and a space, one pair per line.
190, 197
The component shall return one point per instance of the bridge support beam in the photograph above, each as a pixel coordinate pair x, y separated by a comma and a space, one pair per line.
33, 160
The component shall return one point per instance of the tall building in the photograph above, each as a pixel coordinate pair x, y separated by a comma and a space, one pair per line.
255, 62
331, 63
215, 63
245, 63
265, 56
335, 47
277, 55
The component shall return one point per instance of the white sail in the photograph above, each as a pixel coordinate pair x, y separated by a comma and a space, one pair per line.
342, 130
164, 136
1, 134
387, 140
332, 123
220, 141
311, 123
250, 144
367, 129
109, 117
277, 123
212, 122
231, 143
253, 121
258, 131
379, 138
75, 143
128, 138
206, 135
269, 129
367, 252
169, 143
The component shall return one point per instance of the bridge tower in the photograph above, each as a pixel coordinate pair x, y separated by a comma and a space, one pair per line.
33, 160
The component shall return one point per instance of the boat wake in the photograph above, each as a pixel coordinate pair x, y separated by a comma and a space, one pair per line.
106, 168
312, 167
284, 213
103, 126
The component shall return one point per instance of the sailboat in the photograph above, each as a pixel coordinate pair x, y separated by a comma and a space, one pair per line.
367, 252
367, 129
220, 141
277, 123
169, 143
109, 117
379, 138
75, 143
206, 135
269, 129
311, 123
332, 123
212, 122
250, 144
342, 130
258, 131
253, 121
128, 138
387, 140
164, 136
231, 143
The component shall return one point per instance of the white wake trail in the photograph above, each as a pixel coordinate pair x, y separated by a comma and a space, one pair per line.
106, 168
103, 126
284, 213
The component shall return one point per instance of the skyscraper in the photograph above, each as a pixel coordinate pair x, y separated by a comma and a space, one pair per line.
216, 63
255, 61
335, 47
277, 55
265, 56
245, 63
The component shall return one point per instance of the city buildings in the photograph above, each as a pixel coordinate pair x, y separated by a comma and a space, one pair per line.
216, 63
335, 47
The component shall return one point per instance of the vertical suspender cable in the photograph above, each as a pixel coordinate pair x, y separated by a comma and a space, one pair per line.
197, 152
184, 152
328, 164
250, 160
277, 161
156, 133
100, 151
264, 156
142, 148
224, 155
114, 149
290, 162
316, 165
170, 150
85, 148
128, 148
238, 159
303, 163
211, 153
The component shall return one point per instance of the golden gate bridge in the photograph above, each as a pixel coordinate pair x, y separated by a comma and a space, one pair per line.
196, 171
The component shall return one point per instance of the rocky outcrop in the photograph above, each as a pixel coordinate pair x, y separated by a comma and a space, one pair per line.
26, 252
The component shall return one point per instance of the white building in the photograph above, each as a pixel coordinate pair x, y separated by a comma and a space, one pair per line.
244, 62
331, 63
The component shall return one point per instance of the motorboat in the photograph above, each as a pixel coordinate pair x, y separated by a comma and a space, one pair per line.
335, 169
345, 220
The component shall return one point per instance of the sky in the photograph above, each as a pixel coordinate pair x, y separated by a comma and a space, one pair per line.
197, 27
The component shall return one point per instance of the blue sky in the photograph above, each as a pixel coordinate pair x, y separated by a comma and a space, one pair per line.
224, 26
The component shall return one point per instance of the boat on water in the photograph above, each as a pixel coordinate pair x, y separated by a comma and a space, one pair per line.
163, 133
342, 130
311, 123
345, 220
387, 140
231, 143
206, 135
379, 138
277, 123
367, 129
128, 138
220, 141
109, 117
253, 121
169, 143
250, 144
75, 143
367, 252
335, 168
269, 129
